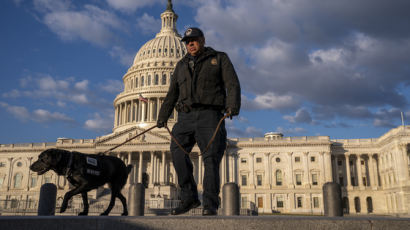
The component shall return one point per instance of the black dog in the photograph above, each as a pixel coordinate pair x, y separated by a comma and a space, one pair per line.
85, 172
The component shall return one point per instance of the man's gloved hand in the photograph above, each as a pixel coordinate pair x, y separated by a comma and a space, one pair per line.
232, 112
161, 124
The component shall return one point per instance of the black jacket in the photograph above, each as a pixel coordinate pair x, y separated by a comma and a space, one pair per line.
213, 82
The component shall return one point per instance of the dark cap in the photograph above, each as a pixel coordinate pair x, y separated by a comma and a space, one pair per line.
192, 32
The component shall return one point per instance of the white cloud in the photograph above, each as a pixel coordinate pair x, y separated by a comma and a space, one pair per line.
291, 131
99, 123
126, 57
149, 24
130, 5
270, 100
51, 5
81, 85
38, 115
112, 86
92, 24
19, 112
79, 98
301, 116
44, 116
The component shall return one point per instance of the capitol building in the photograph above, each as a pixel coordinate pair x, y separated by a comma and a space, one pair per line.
275, 173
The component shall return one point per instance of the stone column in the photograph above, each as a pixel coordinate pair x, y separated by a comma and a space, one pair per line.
290, 172
30, 159
252, 179
359, 172
129, 161
10, 176
223, 169
143, 111
151, 179
328, 167
348, 176
322, 167
200, 174
306, 169
163, 168
376, 170
141, 160
268, 173
371, 171
116, 116
232, 168
158, 106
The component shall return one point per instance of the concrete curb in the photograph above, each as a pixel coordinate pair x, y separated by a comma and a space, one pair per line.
202, 223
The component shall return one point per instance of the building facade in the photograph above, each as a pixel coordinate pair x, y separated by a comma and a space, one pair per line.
274, 173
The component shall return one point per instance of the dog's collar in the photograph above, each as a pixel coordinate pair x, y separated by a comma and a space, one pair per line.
70, 161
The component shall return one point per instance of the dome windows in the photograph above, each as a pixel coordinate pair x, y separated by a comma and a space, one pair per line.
164, 79
156, 81
149, 80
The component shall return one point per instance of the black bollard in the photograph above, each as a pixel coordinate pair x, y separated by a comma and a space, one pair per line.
136, 199
230, 199
332, 199
47, 200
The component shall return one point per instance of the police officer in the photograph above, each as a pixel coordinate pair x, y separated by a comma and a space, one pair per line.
203, 86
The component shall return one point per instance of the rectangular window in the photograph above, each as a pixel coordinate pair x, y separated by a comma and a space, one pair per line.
299, 202
339, 163
362, 162
2, 164
243, 160
315, 202
298, 179
244, 180
259, 180
314, 179
258, 160
312, 159
279, 202
297, 159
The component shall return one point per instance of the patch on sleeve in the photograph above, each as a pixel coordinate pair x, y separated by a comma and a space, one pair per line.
214, 61
91, 161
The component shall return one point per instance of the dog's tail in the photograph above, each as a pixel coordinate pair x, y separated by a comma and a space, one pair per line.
129, 168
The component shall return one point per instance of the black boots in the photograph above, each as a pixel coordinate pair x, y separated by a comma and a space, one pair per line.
185, 206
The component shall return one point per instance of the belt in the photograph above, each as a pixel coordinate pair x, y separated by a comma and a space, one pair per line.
199, 107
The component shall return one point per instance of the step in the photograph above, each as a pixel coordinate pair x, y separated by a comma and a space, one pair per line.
201, 223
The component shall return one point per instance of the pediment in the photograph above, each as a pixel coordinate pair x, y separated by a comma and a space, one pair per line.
120, 137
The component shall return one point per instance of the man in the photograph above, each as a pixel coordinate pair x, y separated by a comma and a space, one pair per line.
203, 86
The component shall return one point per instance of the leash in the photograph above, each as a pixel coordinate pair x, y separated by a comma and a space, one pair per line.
173, 138
210, 141
127, 140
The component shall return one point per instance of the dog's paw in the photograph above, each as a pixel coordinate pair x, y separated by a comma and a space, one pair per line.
124, 214
62, 209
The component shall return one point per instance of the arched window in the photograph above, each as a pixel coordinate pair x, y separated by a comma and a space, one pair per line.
369, 203
149, 80
357, 204
18, 178
278, 177
156, 80
136, 82
142, 81
164, 79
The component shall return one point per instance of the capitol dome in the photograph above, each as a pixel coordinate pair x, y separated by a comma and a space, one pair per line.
147, 81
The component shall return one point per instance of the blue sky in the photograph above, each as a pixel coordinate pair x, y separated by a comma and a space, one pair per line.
334, 68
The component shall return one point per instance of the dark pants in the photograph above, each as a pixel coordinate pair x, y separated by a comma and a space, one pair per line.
198, 127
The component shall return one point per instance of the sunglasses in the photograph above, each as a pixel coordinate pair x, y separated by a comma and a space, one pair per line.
188, 40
